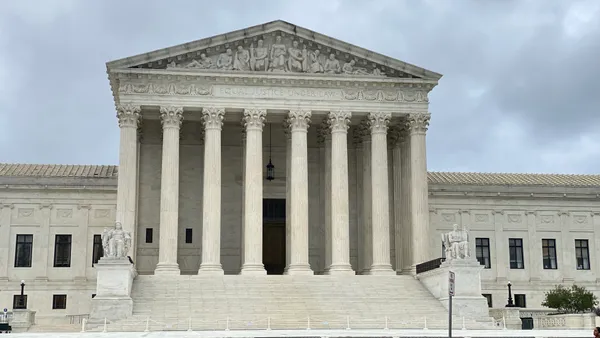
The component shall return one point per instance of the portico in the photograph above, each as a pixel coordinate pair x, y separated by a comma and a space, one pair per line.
346, 202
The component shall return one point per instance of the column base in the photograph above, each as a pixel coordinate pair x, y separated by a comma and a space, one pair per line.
214, 269
299, 269
381, 270
340, 269
167, 269
253, 269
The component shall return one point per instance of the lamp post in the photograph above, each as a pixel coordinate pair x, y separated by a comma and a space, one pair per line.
510, 299
22, 298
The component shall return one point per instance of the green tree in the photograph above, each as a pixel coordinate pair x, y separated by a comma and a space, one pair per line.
575, 299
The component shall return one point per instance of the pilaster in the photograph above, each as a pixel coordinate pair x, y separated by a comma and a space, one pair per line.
43, 258
211, 198
5, 218
171, 118
567, 247
380, 218
299, 121
253, 192
535, 245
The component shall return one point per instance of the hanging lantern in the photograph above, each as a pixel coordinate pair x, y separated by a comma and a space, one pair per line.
270, 166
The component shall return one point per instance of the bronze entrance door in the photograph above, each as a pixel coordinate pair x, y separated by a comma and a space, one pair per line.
274, 236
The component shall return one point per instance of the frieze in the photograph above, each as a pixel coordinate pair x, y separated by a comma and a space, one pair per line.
276, 53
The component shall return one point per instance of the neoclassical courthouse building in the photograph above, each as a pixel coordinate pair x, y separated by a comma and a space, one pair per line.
278, 150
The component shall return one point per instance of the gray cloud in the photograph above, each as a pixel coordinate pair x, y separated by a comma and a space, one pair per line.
519, 91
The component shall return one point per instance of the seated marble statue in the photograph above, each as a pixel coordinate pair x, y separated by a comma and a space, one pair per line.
456, 243
116, 242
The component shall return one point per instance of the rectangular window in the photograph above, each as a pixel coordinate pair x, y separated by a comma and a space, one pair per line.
59, 302
549, 254
482, 252
520, 300
488, 297
582, 254
98, 250
23, 251
19, 302
149, 235
515, 247
188, 235
62, 251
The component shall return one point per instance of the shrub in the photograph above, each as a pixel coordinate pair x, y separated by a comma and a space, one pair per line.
575, 299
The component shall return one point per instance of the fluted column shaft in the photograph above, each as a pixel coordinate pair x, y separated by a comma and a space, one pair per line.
417, 124
405, 210
299, 121
211, 198
367, 232
325, 136
129, 120
288, 194
171, 118
380, 205
253, 193
397, 139
339, 197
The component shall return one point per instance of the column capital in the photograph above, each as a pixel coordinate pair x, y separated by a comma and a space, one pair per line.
323, 132
299, 119
128, 115
339, 121
417, 122
378, 122
254, 119
213, 117
171, 117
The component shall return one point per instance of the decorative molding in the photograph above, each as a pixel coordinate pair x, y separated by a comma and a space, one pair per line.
254, 119
128, 115
299, 120
7, 205
25, 212
64, 213
171, 117
339, 121
378, 122
212, 118
84, 206
45, 205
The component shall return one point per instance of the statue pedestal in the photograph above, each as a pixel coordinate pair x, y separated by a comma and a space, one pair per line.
113, 290
467, 301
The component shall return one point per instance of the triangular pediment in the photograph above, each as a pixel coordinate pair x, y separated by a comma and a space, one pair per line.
274, 47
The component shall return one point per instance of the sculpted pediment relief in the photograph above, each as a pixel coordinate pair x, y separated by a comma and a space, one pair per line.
275, 47
277, 52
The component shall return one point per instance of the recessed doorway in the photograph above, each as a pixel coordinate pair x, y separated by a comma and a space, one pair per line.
274, 235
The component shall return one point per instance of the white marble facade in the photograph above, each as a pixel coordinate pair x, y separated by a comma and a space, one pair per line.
346, 133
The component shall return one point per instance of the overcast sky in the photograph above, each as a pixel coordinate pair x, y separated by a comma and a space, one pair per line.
520, 91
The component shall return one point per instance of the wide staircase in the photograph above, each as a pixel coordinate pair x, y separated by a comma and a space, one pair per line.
284, 302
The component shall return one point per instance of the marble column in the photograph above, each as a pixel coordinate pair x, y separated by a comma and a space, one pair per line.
171, 118
288, 195
405, 217
127, 182
325, 135
253, 193
299, 121
397, 138
211, 198
367, 233
380, 204
339, 198
417, 124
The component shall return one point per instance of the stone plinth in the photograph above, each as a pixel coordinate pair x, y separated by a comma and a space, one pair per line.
113, 291
22, 320
467, 301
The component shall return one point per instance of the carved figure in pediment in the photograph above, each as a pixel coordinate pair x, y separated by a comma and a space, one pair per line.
350, 69
258, 56
278, 52
206, 62
314, 62
225, 60
116, 242
332, 65
171, 64
242, 59
295, 59
378, 72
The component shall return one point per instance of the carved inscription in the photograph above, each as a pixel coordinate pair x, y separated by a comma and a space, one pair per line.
276, 92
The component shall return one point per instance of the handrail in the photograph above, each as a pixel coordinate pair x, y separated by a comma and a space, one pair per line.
430, 265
